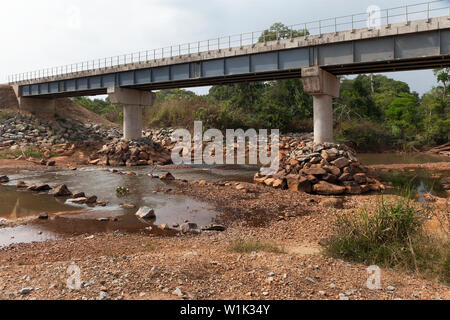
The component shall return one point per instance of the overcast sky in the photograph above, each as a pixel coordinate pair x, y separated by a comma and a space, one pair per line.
45, 33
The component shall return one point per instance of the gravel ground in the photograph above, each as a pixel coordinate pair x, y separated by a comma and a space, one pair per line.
145, 266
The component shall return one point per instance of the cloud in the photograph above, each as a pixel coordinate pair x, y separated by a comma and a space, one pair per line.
46, 33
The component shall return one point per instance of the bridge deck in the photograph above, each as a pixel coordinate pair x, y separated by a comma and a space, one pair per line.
420, 44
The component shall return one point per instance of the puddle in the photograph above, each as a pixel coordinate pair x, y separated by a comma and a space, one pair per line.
419, 181
369, 159
16, 204
66, 219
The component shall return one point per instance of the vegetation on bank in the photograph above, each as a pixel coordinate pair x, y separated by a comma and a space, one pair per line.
28, 152
373, 112
391, 235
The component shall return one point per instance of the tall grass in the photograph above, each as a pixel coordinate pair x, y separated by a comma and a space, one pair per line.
391, 235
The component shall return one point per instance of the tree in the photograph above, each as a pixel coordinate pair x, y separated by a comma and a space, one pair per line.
443, 76
279, 31
403, 117
356, 101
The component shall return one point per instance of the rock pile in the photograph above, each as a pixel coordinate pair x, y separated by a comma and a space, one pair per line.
132, 153
288, 142
20, 131
327, 169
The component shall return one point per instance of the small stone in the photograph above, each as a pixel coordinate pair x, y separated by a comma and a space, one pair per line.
310, 280
103, 296
79, 195
167, 177
25, 291
391, 288
43, 216
22, 185
146, 213
189, 228
128, 206
79, 200
343, 297
62, 191
177, 292
91, 200
214, 227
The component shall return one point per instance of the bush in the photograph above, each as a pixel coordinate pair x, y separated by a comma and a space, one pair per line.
391, 236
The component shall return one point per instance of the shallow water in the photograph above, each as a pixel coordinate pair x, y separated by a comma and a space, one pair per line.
16, 204
418, 181
66, 219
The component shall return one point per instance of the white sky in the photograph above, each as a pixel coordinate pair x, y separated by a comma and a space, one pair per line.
46, 33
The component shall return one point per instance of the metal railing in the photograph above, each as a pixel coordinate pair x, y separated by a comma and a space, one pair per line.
426, 10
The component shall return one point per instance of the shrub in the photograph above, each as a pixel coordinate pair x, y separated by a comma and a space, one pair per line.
391, 235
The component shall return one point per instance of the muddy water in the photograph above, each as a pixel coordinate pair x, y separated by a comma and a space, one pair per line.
19, 204
68, 219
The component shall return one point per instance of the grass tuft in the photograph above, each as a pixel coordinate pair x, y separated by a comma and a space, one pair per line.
391, 235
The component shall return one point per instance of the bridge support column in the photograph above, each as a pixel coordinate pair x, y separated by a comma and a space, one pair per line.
323, 86
132, 101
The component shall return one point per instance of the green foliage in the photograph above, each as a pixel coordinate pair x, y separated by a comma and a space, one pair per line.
356, 101
443, 77
402, 116
391, 235
279, 31
104, 108
122, 191
6, 114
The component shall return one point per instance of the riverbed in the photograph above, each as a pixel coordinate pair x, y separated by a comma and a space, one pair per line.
172, 208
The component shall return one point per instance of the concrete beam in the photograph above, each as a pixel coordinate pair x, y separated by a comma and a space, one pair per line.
132, 101
323, 86
317, 81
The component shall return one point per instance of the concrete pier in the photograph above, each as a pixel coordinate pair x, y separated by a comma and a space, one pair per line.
323, 86
133, 101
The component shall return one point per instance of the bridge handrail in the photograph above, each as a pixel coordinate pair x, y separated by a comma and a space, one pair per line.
318, 27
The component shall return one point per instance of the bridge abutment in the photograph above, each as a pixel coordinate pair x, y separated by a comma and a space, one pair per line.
323, 86
132, 101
